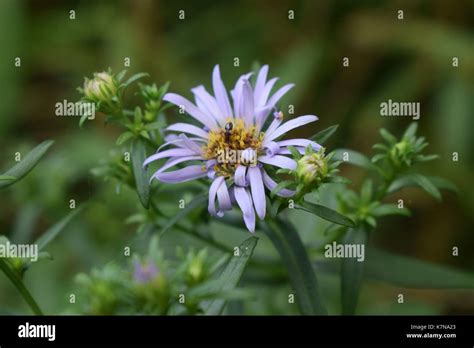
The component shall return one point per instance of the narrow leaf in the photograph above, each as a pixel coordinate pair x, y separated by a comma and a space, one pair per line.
408, 272
300, 271
7, 177
124, 137
139, 172
23, 167
231, 275
322, 136
409, 180
411, 130
353, 157
57, 228
390, 209
135, 77
281, 185
198, 201
352, 272
388, 137
326, 213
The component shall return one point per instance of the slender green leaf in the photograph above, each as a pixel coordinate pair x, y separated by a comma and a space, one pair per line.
352, 271
197, 201
231, 275
389, 209
411, 130
408, 180
135, 77
322, 136
26, 164
390, 138
155, 125
300, 271
276, 206
18, 283
139, 172
366, 192
408, 272
326, 213
124, 137
353, 157
427, 185
137, 116
57, 228
296, 155
281, 185
83, 119
7, 177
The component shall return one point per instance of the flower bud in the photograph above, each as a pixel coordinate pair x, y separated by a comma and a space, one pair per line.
402, 153
102, 88
312, 168
197, 269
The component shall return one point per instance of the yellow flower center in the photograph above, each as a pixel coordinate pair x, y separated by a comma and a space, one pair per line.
233, 145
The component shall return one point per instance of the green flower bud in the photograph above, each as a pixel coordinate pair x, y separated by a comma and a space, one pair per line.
197, 268
103, 89
402, 153
312, 169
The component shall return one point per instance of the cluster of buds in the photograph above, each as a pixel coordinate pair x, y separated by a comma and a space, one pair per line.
402, 154
150, 284
153, 100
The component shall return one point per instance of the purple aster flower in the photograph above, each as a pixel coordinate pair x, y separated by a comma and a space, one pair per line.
144, 273
234, 143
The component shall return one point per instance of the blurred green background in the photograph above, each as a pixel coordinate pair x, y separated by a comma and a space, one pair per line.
402, 60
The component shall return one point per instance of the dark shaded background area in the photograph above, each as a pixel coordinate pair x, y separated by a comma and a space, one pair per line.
402, 60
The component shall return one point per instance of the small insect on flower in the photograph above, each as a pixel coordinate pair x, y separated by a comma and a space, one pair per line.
228, 129
235, 145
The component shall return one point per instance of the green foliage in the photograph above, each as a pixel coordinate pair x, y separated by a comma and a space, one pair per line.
231, 275
25, 165
408, 69
300, 271
150, 284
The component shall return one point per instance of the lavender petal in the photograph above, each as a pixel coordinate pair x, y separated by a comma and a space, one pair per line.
240, 176
220, 92
300, 142
169, 153
191, 109
260, 83
247, 103
188, 128
206, 102
271, 184
279, 161
245, 203
287, 126
258, 191
176, 160
266, 92
211, 207
182, 175
279, 94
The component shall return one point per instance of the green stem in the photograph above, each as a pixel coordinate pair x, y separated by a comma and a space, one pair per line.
352, 271
18, 283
